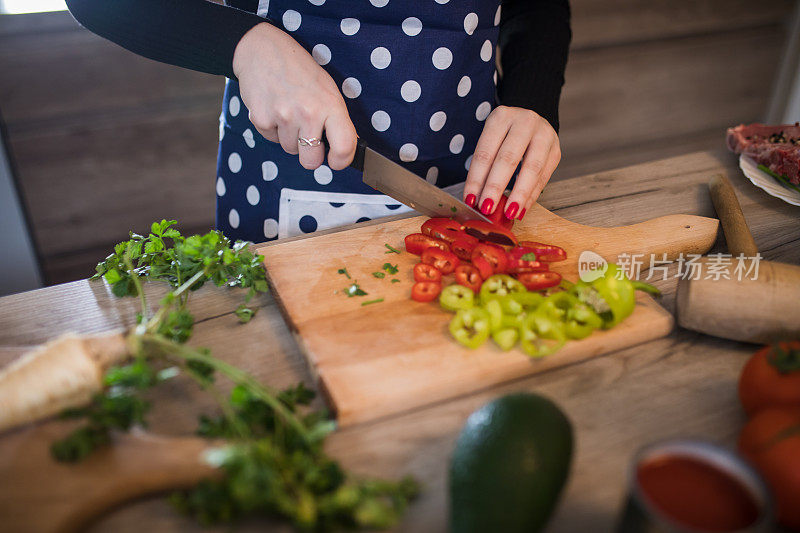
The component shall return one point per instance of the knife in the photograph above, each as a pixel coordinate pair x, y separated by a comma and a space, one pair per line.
386, 176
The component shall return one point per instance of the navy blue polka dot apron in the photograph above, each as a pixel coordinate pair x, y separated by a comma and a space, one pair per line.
419, 81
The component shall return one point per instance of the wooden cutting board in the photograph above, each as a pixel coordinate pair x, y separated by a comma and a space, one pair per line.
388, 357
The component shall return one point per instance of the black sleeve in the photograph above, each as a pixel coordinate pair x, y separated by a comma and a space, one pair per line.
534, 42
194, 34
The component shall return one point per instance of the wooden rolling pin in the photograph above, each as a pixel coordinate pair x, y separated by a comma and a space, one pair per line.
761, 310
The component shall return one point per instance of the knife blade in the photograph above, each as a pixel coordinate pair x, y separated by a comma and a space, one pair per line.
386, 176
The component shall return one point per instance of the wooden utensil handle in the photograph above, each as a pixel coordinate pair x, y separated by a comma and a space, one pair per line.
734, 225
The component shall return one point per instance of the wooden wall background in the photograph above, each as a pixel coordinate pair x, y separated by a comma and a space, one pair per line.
105, 141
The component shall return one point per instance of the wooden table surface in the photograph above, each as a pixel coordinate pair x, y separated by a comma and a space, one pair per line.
682, 385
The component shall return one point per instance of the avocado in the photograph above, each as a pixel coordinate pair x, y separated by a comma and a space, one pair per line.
509, 466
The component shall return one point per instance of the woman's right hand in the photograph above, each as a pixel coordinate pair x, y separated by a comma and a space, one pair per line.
290, 96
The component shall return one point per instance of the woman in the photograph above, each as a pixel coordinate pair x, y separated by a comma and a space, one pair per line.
414, 79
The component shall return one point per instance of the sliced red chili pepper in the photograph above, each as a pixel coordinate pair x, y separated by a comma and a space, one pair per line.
423, 272
469, 276
483, 266
518, 266
492, 253
445, 262
442, 228
498, 216
535, 281
463, 246
548, 253
493, 233
425, 291
416, 243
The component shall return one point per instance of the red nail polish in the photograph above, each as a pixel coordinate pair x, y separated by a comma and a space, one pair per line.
487, 206
521, 214
470, 200
512, 210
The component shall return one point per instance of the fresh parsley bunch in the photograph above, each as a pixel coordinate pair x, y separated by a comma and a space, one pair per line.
275, 463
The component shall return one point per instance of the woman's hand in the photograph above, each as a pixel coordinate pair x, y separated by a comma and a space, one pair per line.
290, 96
511, 135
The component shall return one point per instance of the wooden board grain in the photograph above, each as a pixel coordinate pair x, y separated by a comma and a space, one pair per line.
396, 355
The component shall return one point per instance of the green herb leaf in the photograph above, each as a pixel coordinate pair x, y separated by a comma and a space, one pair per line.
343, 271
354, 290
376, 301
395, 280
454, 209
390, 268
379, 275
392, 250
245, 313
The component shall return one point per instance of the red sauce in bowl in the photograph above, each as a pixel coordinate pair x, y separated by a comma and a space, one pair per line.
696, 494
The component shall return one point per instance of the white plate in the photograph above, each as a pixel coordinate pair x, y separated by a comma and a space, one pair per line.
764, 181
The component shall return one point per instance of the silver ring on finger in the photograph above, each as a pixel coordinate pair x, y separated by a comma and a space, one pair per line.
309, 141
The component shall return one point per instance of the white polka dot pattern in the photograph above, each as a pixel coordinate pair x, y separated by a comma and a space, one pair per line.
378, 3
457, 144
410, 91
464, 86
252, 194
432, 175
235, 162
483, 110
270, 228
321, 54
470, 23
291, 20
486, 50
249, 139
412, 26
351, 87
234, 106
497, 15
381, 120
317, 2
220, 186
408, 152
323, 175
437, 120
233, 218
442, 58
380, 58
350, 26
269, 170
467, 163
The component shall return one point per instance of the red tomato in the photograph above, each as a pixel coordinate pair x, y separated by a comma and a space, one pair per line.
425, 291
490, 232
494, 254
483, 266
771, 441
463, 246
548, 253
446, 229
469, 277
536, 281
423, 272
498, 216
771, 378
416, 243
445, 262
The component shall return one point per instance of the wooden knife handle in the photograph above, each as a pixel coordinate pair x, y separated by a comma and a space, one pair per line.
734, 225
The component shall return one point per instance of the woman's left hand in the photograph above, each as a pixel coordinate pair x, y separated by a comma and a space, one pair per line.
511, 135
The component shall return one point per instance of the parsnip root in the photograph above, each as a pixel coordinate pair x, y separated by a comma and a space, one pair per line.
63, 373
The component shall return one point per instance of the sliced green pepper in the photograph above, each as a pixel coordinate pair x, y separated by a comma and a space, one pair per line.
510, 305
540, 335
495, 311
612, 296
455, 297
581, 321
505, 338
470, 327
499, 285
529, 300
